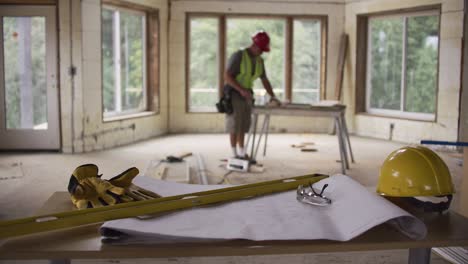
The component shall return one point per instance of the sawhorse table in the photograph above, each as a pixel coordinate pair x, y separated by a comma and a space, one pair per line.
446, 230
335, 111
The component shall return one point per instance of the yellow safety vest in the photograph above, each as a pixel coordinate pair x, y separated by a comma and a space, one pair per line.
245, 77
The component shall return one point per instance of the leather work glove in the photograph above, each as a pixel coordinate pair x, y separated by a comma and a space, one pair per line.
88, 190
132, 192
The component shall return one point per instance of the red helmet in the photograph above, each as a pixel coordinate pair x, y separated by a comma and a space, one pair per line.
262, 40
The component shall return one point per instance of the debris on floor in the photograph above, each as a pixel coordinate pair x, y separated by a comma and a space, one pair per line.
297, 145
304, 147
256, 168
201, 172
11, 171
308, 149
173, 165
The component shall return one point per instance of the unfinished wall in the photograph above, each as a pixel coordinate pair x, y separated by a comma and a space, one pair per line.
463, 130
82, 125
450, 50
181, 121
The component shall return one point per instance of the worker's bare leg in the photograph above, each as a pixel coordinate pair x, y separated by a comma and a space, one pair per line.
233, 138
240, 143
240, 140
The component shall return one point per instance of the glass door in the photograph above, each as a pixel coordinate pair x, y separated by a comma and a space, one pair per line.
28, 78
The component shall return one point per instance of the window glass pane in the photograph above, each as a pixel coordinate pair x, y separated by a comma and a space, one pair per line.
203, 83
25, 72
306, 61
124, 61
421, 63
108, 63
132, 61
239, 33
385, 62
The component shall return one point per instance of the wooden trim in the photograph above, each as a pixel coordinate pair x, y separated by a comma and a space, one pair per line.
254, 15
221, 54
188, 17
28, 2
438, 66
402, 11
341, 63
361, 63
394, 117
288, 79
129, 5
272, 16
324, 57
153, 62
202, 15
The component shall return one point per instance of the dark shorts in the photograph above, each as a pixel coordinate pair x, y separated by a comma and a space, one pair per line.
239, 121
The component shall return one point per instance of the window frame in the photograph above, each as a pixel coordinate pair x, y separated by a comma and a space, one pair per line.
363, 60
151, 59
222, 56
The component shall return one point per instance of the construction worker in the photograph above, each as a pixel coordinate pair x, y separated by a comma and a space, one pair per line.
243, 68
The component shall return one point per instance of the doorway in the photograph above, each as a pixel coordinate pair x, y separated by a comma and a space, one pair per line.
29, 119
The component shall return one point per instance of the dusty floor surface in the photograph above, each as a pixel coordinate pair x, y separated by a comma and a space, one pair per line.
28, 179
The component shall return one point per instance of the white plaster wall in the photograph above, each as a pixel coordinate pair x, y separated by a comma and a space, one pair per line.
451, 32
181, 121
83, 128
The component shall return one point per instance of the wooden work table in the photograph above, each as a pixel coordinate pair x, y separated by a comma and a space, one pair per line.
445, 230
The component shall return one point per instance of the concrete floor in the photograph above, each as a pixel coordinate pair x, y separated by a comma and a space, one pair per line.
28, 179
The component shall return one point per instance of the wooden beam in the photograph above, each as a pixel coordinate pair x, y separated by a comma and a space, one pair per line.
341, 63
28, 2
361, 63
221, 53
323, 59
289, 59
128, 5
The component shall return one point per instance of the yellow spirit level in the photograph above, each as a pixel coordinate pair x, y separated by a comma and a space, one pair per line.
42, 223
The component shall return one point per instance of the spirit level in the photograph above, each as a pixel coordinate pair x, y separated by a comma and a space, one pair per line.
42, 223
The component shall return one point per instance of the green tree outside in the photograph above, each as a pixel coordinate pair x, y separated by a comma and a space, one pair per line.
11, 51
421, 60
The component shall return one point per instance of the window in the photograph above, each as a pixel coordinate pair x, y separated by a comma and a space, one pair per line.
306, 61
129, 60
25, 79
204, 59
293, 66
402, 61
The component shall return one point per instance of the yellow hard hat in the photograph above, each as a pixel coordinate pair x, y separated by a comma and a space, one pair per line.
414, 171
